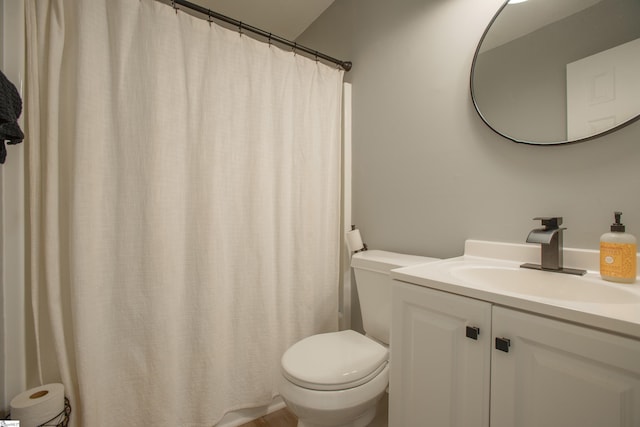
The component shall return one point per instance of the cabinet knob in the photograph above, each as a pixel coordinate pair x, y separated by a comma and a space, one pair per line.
503, 344
473, 332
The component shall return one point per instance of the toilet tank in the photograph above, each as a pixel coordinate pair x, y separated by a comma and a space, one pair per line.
373, 281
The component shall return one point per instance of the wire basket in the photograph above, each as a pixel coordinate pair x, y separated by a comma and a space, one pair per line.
62, 419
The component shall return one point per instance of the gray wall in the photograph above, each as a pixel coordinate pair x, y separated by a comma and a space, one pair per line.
3, 397
12, 249
427, 172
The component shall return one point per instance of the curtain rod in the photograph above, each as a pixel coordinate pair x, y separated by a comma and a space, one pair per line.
345, 65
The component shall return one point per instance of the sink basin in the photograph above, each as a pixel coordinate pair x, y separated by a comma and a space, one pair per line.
545, 284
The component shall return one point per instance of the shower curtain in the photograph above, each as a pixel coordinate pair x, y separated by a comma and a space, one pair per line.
184, 199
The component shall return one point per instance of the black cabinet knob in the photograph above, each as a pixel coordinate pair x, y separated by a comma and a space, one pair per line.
473, 332
503, 344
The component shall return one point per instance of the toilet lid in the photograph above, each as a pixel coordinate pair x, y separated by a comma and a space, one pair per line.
334, 361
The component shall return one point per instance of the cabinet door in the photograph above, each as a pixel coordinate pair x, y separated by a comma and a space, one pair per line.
439, 377
560, 374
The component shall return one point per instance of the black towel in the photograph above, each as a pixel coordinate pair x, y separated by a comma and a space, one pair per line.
10, 109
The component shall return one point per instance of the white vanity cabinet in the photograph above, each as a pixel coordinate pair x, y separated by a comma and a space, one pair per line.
439, 376
547, 373
560, 374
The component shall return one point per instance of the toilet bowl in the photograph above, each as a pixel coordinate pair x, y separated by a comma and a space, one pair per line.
336, 379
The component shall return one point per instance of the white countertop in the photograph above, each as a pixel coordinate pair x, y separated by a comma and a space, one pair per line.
603, 305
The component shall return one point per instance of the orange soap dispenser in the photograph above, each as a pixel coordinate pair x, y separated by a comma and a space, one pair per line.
618, 254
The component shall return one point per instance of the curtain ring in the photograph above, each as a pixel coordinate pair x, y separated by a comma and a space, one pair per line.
209, 17
173, 5
269, 39
240, 29
295, 48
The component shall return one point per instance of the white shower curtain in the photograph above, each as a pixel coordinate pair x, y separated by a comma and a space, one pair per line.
184, 209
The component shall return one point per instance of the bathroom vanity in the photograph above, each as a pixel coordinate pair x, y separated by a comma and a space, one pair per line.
478, 341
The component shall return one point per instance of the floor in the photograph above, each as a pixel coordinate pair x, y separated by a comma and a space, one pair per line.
284, 418
281, 418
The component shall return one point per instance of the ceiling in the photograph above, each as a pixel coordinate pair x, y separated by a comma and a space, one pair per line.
284, 18
517, 20
289, 18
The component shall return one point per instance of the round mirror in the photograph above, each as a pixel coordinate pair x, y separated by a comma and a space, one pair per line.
553, 72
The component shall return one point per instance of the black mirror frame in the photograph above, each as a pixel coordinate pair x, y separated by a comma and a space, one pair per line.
520, 141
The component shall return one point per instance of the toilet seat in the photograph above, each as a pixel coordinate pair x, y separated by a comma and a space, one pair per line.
334, 361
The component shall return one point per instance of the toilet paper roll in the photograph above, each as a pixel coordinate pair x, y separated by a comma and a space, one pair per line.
354, 240
38, 405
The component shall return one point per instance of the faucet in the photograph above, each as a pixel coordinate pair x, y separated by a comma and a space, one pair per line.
550, 239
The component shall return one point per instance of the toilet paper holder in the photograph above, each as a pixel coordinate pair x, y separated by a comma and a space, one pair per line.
354, 241
61, 419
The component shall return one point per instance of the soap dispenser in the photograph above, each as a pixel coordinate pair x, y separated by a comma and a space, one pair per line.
618, 254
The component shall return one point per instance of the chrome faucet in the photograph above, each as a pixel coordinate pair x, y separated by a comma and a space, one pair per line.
550, 239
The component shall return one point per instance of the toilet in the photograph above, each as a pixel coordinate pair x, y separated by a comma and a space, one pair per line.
336, 379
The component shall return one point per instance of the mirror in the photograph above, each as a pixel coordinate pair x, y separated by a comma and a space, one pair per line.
554, 72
